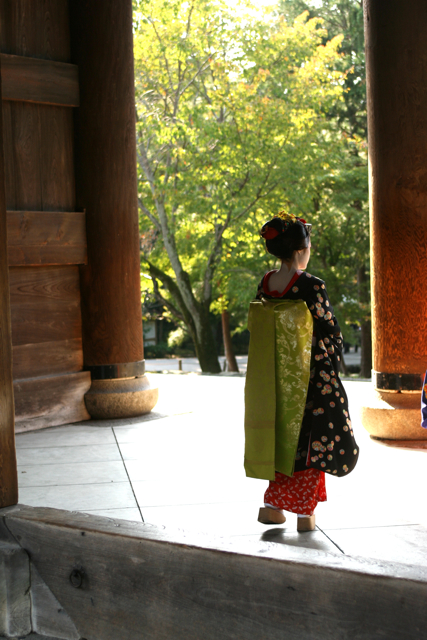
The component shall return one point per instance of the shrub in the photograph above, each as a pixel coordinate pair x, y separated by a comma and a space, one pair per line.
160, 350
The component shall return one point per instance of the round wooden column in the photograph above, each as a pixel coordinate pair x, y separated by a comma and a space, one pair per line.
106, 187
396, 69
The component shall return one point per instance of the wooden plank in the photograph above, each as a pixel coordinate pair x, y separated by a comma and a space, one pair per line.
139, 580
35, 28
46, 238
40, 160
24, 155
57, 159
35, 80
8, 153
50, 401
47, 358
47, 255
45, 304
8, 475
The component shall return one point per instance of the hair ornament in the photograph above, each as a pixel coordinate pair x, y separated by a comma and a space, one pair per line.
280, 224
287, 217
268, 233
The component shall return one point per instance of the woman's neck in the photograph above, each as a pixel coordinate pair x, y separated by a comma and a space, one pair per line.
281, 278
288, 268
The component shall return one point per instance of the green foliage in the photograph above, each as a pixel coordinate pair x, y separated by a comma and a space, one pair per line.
234, 123
176, 338
159, 350
342, 17
339, 206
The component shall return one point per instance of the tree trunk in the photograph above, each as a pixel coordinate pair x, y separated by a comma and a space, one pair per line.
205, 345
228, 346
196, 319
366, 337
366, 347
343, 366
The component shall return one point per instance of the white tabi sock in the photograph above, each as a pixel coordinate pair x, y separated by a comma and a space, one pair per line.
270, 506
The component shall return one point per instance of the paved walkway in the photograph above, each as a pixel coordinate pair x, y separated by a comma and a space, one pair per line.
181, 466
192, 364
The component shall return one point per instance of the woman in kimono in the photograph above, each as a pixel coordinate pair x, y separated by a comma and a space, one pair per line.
326, 442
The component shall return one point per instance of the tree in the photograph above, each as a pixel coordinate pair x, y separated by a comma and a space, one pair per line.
340, 202
229, 106
345, 18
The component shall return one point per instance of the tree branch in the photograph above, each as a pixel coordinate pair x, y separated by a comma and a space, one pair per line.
215, 254
149, 215
213, 259
202, 68
166, 303
145, 164
162, 48
175, 292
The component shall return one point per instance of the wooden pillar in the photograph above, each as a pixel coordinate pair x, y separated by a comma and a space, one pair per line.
106, 186
8, 472
396, 70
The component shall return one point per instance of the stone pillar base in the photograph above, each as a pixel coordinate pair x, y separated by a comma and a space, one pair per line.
120, 398
393, 416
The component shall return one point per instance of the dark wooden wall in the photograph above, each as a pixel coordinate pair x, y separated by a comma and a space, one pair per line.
46, 236
8, 469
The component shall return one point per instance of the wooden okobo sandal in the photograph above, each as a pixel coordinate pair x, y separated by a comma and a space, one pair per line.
308, 523
267, 515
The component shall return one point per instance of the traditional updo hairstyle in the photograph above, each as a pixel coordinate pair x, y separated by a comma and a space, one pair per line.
284, 236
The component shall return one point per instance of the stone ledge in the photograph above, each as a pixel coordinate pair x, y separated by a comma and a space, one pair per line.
188, 586
34, 636
15, 605
27, 606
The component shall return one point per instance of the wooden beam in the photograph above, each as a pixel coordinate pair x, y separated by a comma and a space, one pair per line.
8, 474
133, 580
38, 146
47, 358
38, 28
45, 304
50, 401
35, 80
46, 238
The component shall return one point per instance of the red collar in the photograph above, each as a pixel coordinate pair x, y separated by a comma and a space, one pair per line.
275, 293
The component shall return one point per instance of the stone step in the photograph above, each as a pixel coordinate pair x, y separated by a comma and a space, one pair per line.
134, 580
33, 636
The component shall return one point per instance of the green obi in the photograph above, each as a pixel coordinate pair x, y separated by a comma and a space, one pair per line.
276, 385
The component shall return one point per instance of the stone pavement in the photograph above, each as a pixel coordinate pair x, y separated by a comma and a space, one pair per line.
182, 466
192, 364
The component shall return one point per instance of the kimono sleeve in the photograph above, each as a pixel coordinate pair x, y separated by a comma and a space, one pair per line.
325, 324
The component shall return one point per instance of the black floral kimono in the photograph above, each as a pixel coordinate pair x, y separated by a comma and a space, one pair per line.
326, 440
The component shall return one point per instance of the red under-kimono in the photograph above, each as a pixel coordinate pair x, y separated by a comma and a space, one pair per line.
299, 494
